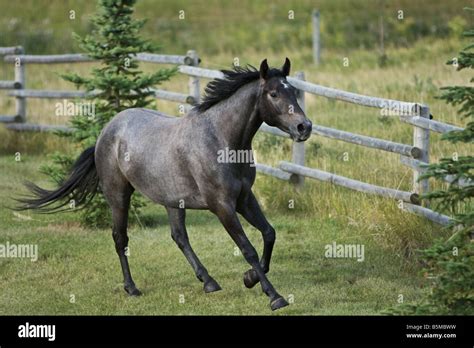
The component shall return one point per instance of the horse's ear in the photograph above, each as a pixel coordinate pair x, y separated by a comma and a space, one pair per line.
264, 69
286, 67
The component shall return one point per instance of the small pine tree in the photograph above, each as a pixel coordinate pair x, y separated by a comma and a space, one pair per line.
117, 84
450, 264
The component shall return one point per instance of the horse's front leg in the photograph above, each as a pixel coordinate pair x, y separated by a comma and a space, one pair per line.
228, 217
180, 236
249, 208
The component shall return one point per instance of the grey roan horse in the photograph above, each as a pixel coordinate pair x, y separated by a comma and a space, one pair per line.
173, 161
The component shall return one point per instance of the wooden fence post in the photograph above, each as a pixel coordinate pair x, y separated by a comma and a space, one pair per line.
316, 37
193, 84
20, 77
298, 150
421, 140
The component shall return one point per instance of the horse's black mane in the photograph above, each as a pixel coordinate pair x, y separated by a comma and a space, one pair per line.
220, 89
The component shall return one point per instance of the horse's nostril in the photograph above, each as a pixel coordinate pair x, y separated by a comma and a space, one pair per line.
301, 128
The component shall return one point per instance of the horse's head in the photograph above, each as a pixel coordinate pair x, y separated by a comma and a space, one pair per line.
278, 105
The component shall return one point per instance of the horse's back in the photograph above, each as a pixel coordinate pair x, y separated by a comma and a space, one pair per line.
134, 123
141, 146
137, 118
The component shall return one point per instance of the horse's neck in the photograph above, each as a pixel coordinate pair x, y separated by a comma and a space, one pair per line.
237, 118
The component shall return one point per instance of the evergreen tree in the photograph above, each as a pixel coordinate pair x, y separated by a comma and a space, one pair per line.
450, 264
117, 84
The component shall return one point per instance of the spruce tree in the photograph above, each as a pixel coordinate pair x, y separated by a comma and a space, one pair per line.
115, 85
450, 263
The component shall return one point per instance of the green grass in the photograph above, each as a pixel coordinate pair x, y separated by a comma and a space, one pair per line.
81, 262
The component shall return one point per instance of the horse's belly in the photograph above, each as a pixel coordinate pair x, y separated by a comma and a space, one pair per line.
166, 186
174, 191
186, 200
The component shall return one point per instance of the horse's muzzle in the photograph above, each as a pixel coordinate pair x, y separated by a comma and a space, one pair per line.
304, 130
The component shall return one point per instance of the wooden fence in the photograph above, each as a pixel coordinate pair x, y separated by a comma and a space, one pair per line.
414, 156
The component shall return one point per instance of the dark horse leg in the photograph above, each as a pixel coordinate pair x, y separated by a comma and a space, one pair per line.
118, 193
251, 211
228, 217
180, 236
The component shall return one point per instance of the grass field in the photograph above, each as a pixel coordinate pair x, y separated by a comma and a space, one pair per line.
81, 262
219, 26
77, 261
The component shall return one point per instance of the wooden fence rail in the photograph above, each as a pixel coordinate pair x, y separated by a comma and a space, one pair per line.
30, 127
427, 213
9, 119
10, 50
350, 183
392, 106
47, 94
200, 72
315, 16
50, 94
366, 141
420, 166
414, 156
275, 172
298, 149
48, 59
9, 84
82, 58
433, 125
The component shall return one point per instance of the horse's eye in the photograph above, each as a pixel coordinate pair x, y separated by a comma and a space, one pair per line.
273, 95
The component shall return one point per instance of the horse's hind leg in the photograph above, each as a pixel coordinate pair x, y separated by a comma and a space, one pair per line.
118, 191
180, 236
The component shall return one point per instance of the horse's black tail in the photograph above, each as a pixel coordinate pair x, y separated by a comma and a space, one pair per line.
77, 190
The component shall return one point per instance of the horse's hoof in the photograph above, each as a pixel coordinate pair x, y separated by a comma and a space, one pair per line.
132, 290
280, 302
250, 278
211, 286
